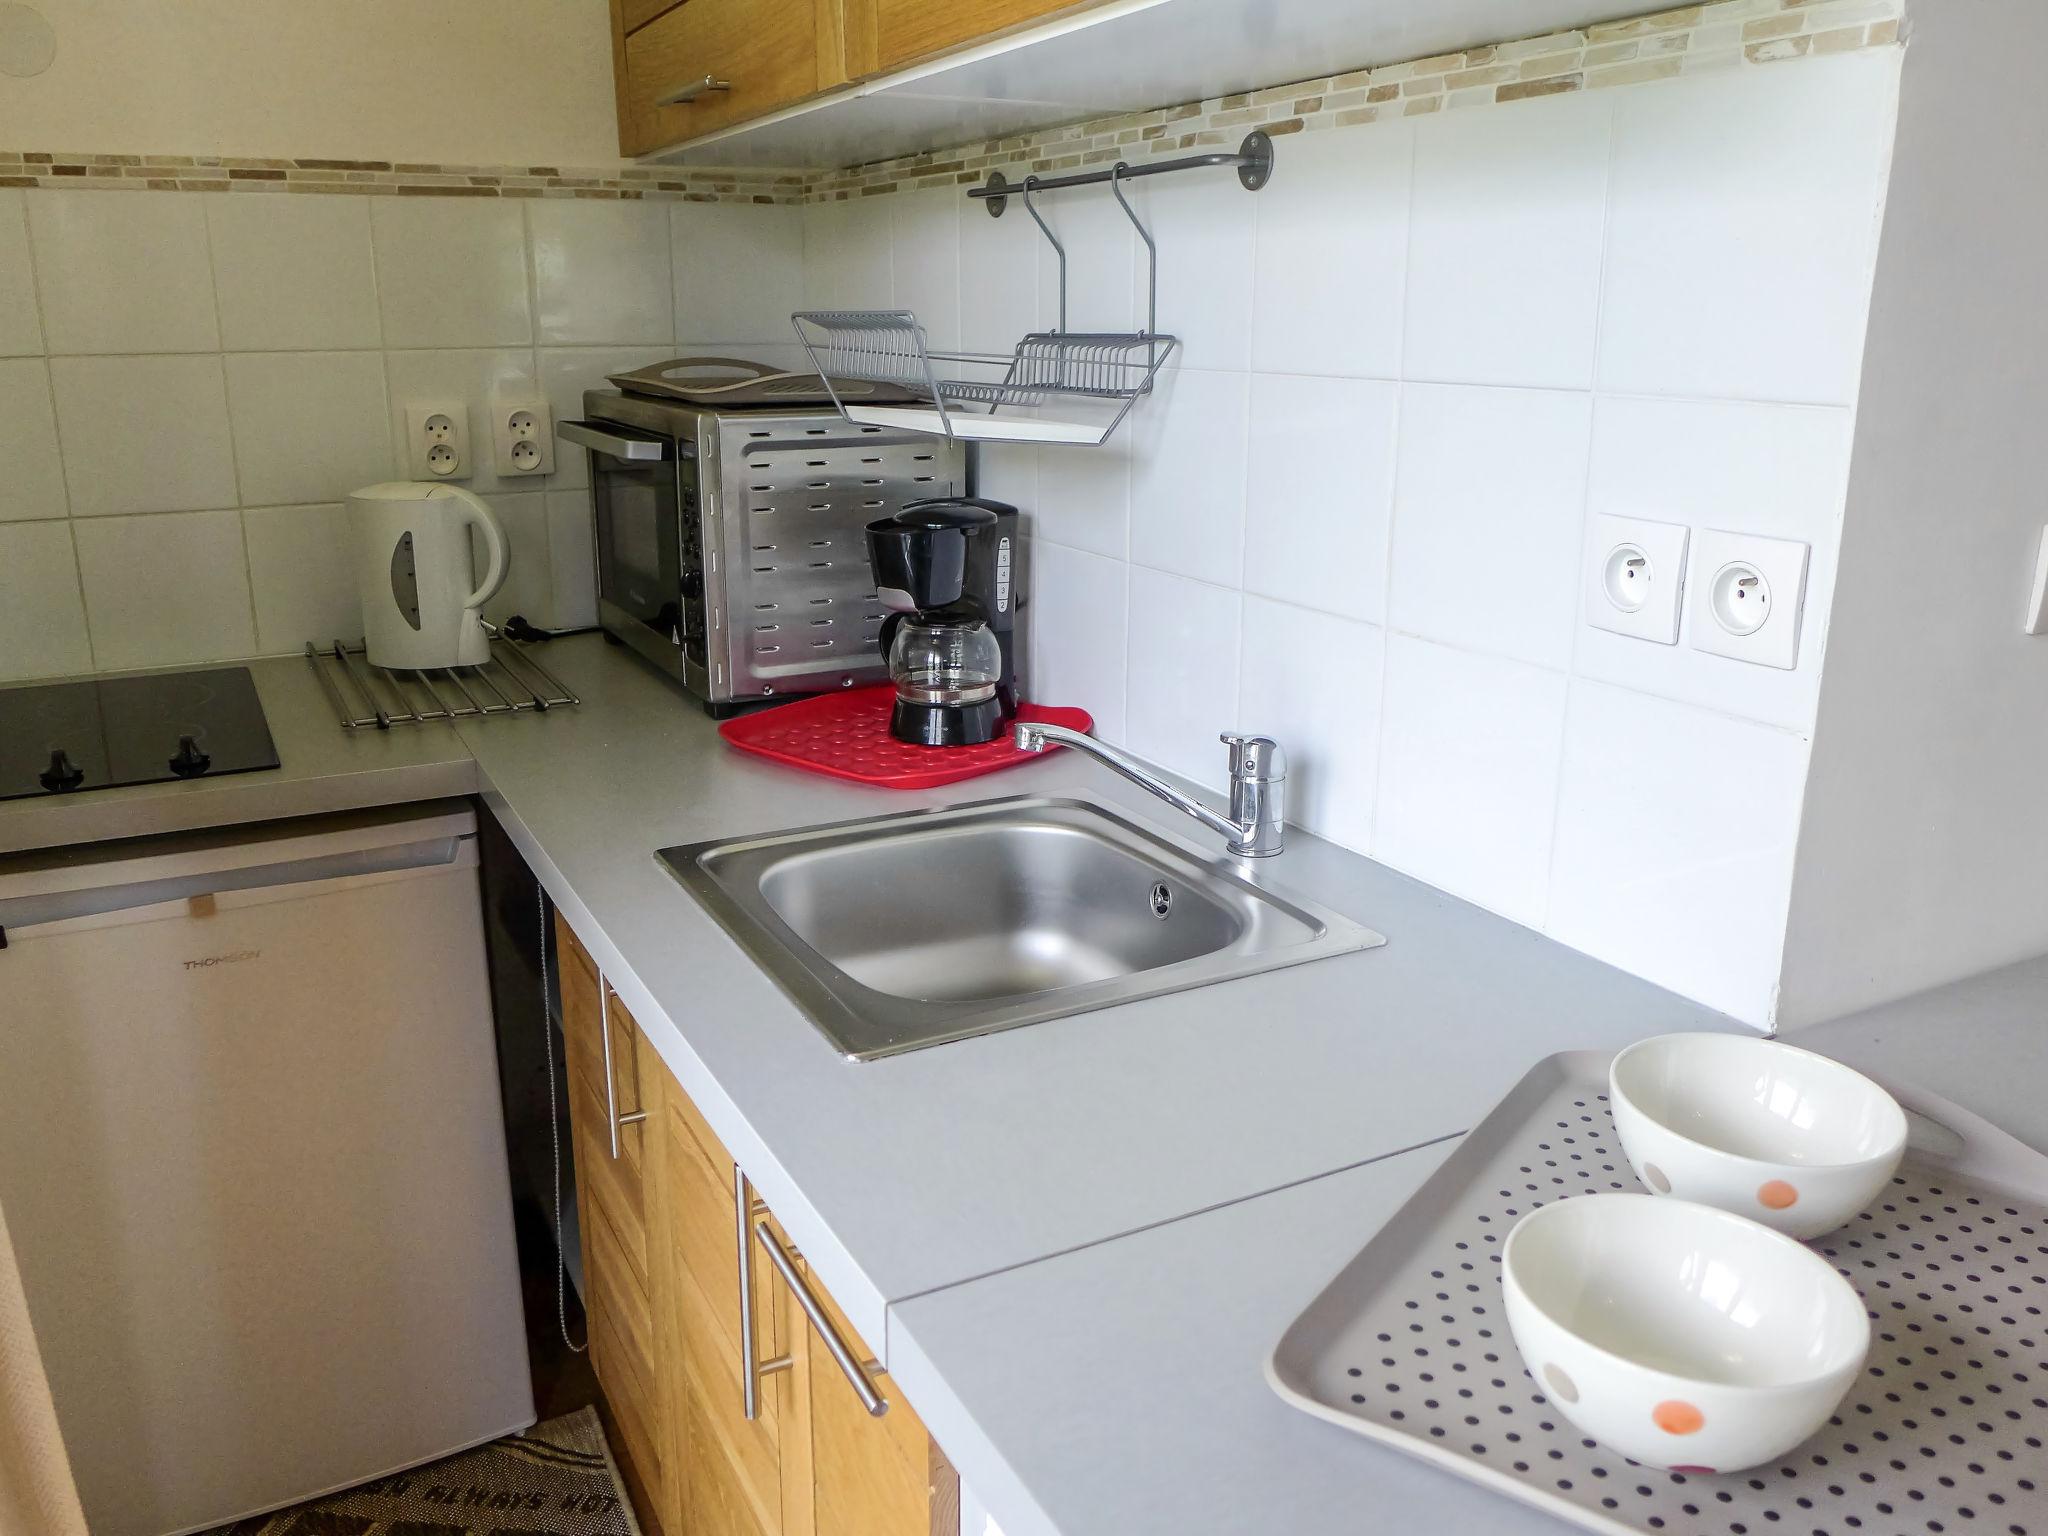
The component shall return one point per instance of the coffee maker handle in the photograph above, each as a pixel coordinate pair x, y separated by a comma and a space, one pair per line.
497, 560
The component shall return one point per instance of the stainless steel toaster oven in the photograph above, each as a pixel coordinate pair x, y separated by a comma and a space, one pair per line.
731, 547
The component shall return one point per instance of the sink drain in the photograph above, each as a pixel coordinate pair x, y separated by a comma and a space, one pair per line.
1162, 900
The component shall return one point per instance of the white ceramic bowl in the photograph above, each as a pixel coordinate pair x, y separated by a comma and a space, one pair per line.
1765, 1130
1679, 1335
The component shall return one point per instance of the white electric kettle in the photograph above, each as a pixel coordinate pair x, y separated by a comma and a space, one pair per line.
421, 597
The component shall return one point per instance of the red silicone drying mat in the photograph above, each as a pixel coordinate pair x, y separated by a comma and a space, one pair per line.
846, 736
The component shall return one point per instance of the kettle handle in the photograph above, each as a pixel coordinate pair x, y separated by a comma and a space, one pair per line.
498, 561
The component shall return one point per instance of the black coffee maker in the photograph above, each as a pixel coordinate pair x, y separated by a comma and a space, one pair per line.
951, 572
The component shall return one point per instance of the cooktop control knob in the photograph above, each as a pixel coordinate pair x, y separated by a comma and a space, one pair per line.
62, 774
190, 762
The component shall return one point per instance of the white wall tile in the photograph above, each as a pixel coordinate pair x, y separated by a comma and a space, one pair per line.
451, 271
474, 378
1675, 834
1743, 230
739, 271
999, 280
143, 434
21, 331
308, 426
1332, 254
120, 272
1487, 517
302, 574
1182, 692
1779, 470
1102, 294
600, 271
572, 560
1319, 492
1312, 681
1009, 472
293, 272
42, 616
1504, 243
925, 240
1083, 496
565, 373
166, 589
1469, 750
529, 587
1204, 226
31, 471
1080, 608
847, 262
1187, 475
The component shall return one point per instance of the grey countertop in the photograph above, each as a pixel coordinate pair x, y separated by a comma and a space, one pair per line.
1073, 1243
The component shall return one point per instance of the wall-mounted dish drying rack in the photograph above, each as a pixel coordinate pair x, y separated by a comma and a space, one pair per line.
1057, 386
512, 682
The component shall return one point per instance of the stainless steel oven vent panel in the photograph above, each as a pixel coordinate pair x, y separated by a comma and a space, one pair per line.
799, 536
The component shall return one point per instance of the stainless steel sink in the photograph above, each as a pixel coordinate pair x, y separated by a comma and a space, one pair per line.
908, 930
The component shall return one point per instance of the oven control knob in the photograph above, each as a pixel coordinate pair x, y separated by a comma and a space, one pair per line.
62, 774
190, 762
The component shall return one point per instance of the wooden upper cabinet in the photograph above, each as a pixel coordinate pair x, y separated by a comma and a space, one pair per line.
768, 53
887, 35
775, 53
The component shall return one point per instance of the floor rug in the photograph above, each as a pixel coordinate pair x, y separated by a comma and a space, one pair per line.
556, 1479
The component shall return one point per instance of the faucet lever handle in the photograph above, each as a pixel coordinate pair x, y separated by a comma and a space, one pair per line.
1254, 757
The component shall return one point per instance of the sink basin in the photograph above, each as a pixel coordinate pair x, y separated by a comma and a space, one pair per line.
909, 930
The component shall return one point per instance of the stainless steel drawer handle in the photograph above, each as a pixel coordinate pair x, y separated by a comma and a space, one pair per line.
613, 1119
619, 446
683, 95
855, 1372
750, 1221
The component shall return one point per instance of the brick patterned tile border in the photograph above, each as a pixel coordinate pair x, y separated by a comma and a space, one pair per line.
1714, 34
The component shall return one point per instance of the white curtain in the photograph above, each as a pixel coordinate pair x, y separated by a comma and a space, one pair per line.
36, 1493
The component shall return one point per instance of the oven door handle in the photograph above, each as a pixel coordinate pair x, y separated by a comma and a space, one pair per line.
607, 438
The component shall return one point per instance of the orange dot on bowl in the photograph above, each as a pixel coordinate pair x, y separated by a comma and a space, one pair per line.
1777, 1195
1676, 1417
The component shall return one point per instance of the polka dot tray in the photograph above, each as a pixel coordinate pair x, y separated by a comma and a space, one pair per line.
1944, 1432
846, 736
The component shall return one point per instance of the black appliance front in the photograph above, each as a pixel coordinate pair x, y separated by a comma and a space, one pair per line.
650, 583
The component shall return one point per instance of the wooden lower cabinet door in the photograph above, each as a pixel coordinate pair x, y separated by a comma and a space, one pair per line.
872, 1476
735, 1476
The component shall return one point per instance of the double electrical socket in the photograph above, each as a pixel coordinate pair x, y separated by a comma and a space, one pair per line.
437, 438
1745, 606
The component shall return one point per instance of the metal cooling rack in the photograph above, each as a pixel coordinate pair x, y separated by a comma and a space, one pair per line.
1944, 1432
512, 682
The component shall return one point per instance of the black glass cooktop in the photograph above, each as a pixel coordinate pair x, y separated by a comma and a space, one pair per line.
58, 738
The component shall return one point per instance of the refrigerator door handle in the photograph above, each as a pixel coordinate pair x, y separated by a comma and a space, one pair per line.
19, 913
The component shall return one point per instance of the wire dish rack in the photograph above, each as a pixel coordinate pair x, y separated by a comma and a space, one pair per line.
512, 682
1056, 386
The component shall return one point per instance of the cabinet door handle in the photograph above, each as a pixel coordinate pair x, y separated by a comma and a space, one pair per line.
613, 1119
752, 1369
842, 1355
683, 95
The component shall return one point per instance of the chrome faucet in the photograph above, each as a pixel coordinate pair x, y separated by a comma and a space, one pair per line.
1258, 784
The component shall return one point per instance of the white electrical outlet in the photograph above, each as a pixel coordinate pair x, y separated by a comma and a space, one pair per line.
1747, 596
522, 435
437, 440
1635, 571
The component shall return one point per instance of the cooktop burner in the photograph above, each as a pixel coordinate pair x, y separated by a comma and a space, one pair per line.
56, 738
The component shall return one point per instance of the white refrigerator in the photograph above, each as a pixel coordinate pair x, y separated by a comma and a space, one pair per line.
253, 1159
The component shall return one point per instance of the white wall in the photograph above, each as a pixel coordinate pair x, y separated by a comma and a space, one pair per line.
1924, 854
449, 81
1352, 515
191, 383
